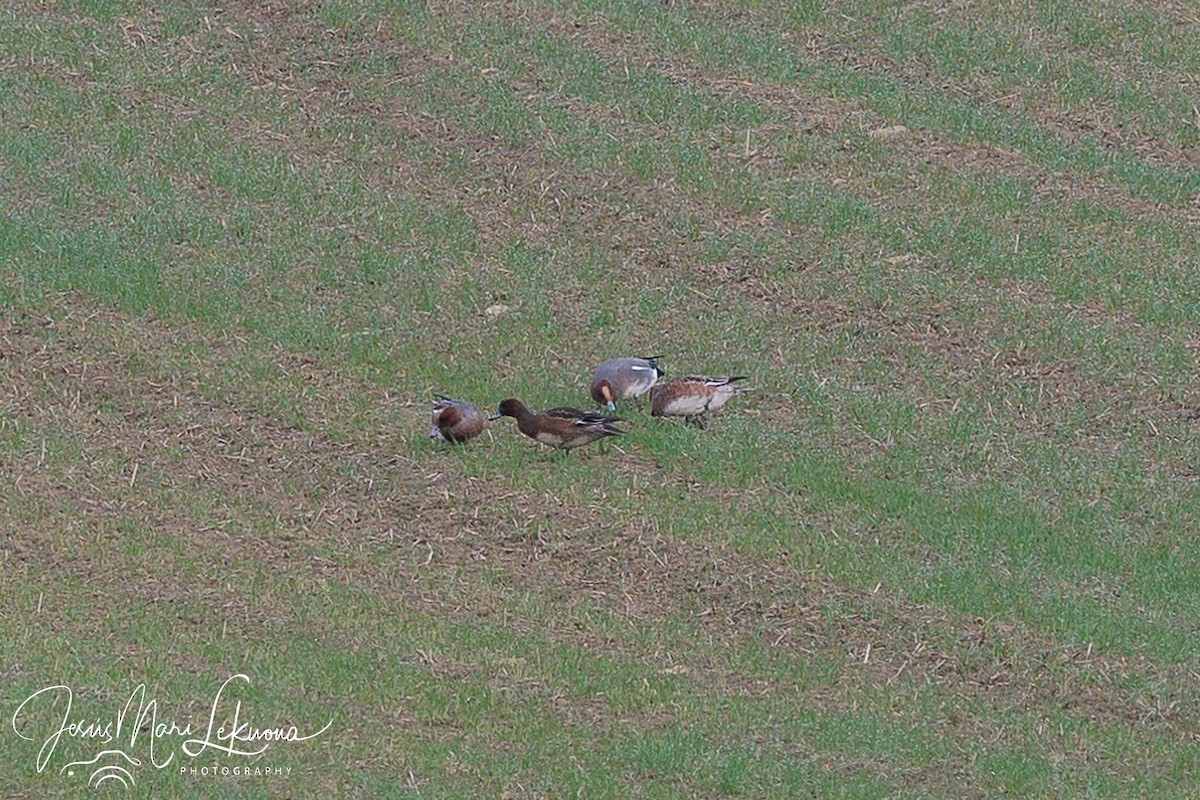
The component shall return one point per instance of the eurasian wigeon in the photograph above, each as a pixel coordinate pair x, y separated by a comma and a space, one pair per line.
563, 428
624, 378
455, 420
694, 396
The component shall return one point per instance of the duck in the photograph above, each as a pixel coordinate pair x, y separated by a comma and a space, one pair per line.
694, 397
563, 428
456, 421
624, 378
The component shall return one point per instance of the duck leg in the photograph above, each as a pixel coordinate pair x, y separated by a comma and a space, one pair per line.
552, 456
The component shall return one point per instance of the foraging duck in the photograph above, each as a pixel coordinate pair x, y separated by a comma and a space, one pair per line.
694, 396
622, 378
563, 428
455, 420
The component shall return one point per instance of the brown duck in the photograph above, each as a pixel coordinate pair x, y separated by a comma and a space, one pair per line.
694, 397
455, 420
562, 428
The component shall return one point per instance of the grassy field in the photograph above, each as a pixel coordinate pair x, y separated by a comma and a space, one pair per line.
949, 549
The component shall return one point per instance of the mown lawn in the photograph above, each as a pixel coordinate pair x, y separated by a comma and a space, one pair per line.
948, 549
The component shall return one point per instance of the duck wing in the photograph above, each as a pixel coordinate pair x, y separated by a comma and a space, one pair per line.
585, 419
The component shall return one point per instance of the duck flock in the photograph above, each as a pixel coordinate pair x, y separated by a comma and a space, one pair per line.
693, 397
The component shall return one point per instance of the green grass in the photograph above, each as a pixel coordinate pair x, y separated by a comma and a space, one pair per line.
944, 551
